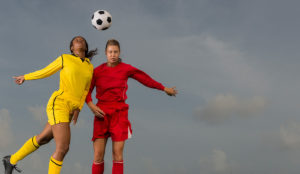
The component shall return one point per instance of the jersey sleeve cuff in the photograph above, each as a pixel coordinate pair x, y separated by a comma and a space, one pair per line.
161, 87
26, 77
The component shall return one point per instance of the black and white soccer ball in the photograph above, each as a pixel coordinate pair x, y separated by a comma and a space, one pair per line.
101, 20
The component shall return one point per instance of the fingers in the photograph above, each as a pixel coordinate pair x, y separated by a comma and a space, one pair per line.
172, 91
75, 118
18, 80
102, 113
98, 112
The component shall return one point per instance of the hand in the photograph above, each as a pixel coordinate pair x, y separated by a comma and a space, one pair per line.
19, 79
171, 91
75, 116
96, 110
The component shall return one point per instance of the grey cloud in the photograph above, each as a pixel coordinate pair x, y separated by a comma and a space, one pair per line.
217, 163
6, 135
223, 107
38, 113
289, 135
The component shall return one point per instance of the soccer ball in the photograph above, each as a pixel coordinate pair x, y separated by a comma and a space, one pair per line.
101, 20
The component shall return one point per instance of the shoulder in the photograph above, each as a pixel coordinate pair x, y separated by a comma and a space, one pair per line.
98, 68
126, 65
66, 57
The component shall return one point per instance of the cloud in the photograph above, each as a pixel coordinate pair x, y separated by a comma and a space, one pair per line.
223, 107
204, 65
286, 137
217, 163
39, 113
290, 135
6, 135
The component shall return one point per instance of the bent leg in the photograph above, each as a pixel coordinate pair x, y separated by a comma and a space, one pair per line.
32, 145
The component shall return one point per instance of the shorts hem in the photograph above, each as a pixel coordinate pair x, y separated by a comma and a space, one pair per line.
52, 124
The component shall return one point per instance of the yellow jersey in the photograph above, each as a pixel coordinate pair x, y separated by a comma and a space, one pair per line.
75, 76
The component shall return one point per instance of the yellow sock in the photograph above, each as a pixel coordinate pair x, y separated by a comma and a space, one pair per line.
54, 166
30, 146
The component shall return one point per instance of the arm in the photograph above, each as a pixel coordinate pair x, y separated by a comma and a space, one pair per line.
146, 80
94, 108
91, 88
49, 70
43, 73
75, 113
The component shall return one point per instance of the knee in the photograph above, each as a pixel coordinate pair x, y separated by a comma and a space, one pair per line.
43, 140
98, 157
62, 149
117, 155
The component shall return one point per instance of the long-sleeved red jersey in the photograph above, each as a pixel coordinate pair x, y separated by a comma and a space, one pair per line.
111, 82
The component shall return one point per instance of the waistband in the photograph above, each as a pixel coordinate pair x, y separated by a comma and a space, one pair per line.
111, 103
67, 96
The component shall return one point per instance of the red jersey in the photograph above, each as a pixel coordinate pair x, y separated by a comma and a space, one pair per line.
111, 82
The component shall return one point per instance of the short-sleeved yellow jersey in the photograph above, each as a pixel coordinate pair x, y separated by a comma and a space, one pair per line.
75, 77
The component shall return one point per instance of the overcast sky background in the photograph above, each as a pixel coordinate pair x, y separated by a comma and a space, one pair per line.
234, 63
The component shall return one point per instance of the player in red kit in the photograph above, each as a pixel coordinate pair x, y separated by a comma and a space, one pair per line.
111, 111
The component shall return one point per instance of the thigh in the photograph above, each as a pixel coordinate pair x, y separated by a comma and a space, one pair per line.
99, 145
118, 147
99, 149
61, 134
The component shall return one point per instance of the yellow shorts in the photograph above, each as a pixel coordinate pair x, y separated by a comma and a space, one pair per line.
59, 108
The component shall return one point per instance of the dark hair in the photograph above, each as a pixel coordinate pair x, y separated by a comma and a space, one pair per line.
113, 42
89, 54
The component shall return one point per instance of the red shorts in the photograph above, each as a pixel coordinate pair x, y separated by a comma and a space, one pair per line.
115, 123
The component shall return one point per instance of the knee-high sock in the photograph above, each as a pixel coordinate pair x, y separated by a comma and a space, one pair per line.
30, 146
117, 167
54, 166
98, 168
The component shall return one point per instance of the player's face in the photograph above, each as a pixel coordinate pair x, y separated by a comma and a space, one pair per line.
112, 54
79, 44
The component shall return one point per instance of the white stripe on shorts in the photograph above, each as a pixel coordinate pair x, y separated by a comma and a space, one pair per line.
129, 133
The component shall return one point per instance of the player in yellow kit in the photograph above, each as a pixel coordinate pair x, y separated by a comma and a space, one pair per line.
64, 105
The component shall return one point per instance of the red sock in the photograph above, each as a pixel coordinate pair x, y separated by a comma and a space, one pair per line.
98, 168
117, 167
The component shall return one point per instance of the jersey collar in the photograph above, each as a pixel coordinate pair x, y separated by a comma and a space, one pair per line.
85, 59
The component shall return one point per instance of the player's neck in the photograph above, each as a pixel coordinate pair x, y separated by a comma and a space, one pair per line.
112, 64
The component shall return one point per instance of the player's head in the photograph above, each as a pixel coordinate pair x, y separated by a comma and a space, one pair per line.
80, 43
112, 51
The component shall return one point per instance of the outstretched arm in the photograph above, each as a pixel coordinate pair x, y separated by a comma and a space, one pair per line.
146, 80
49, 70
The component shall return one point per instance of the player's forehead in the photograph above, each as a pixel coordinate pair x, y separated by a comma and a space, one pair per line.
112, 47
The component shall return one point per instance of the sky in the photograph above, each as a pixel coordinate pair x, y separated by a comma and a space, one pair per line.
233, 62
